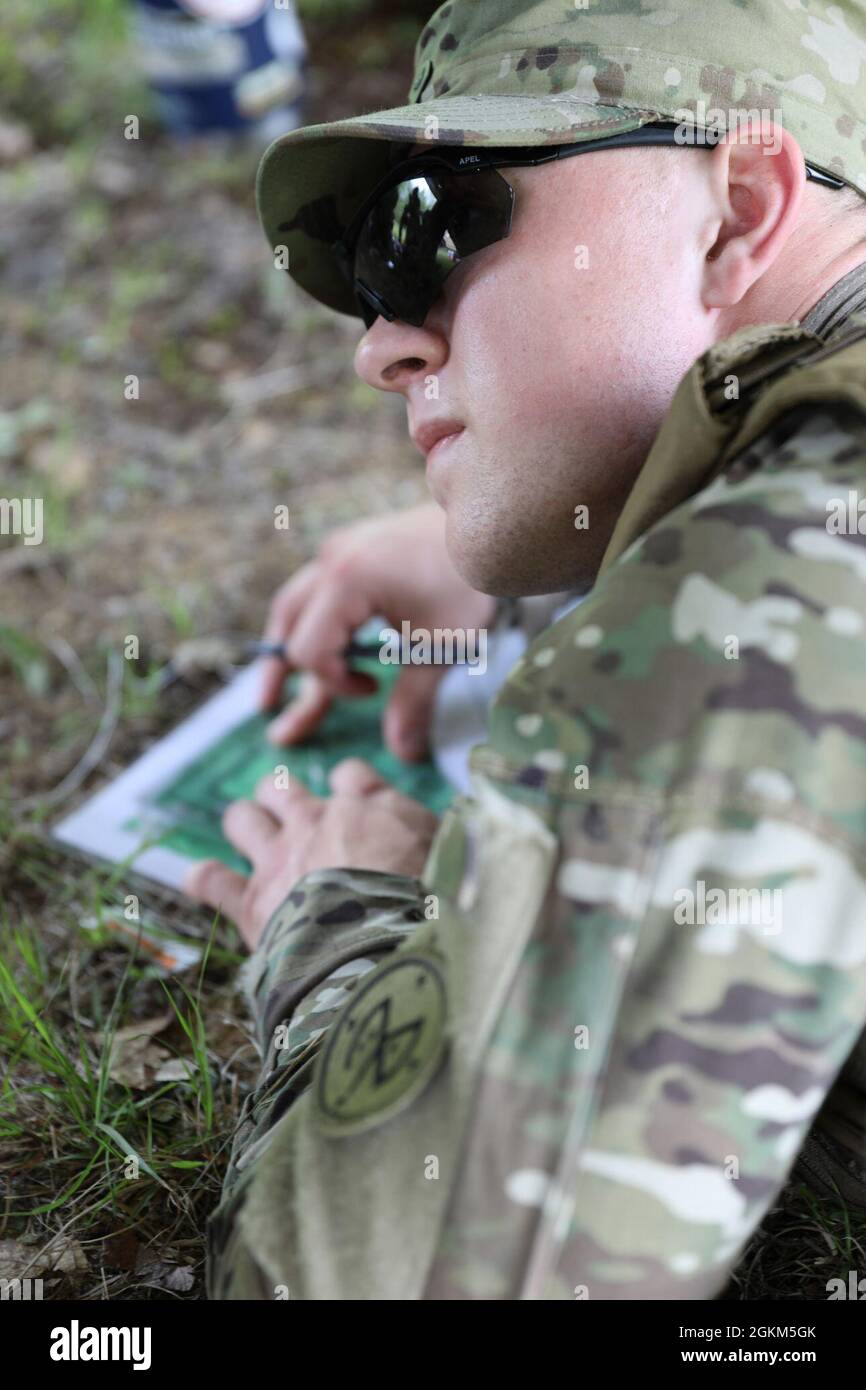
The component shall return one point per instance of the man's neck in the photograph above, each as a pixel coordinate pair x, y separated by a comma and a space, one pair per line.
832, 274
817, 255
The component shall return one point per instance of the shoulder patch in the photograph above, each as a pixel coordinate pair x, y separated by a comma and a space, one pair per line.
386, 1047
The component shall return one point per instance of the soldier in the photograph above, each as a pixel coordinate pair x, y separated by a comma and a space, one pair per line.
571, 1044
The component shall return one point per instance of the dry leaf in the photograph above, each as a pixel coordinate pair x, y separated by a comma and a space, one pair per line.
59, 1256
164, 1273
176, 1069
17, 1260
64, 1256
134, 1056
177, 1278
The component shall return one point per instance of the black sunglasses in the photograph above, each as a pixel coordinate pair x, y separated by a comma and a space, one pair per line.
431, 211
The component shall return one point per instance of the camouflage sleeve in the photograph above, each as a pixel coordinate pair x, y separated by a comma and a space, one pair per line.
330, 921
588, 1071
331, 930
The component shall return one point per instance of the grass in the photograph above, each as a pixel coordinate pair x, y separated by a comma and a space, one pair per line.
98, 1172
804, 1242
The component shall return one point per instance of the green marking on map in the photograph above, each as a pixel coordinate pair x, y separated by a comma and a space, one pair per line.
190, 807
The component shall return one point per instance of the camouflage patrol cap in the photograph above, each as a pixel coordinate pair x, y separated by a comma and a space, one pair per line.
537, 72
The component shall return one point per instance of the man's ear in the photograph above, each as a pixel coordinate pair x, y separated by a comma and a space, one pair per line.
758, 174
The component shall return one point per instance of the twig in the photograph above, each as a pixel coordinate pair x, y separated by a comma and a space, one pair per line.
69, 658
94, 754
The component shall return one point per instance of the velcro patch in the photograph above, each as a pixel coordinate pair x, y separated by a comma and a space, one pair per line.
385, 1048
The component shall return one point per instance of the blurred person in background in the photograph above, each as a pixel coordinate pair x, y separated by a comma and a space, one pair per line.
232, 65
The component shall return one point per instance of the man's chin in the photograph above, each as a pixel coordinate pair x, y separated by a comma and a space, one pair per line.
510, 571
484, 572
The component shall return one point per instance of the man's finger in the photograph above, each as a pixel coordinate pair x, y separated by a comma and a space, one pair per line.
281, 801
408, 716
325, 627
288, 601
217, 885
298, 719
354, 777
249, 827
274, 672
282, 615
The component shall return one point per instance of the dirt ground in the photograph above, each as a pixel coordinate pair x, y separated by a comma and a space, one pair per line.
146, 258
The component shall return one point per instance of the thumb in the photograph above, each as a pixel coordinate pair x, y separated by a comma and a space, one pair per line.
409, 713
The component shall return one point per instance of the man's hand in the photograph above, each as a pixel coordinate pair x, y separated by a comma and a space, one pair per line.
287, 832
396, 567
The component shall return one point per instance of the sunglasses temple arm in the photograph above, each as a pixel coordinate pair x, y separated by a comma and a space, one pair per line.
666, 135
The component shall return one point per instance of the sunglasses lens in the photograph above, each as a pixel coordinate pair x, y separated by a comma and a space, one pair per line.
419, 230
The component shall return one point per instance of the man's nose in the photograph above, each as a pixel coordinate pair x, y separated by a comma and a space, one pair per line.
391, 355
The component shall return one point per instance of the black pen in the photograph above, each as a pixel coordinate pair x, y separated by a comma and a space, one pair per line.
369, 651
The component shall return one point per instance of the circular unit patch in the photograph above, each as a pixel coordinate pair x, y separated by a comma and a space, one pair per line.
385, 1048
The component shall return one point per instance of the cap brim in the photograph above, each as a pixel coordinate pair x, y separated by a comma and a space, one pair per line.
311, 181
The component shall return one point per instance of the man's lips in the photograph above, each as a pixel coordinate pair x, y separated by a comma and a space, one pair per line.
432, 432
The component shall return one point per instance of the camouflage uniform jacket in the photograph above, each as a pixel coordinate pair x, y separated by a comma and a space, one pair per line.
579, 1058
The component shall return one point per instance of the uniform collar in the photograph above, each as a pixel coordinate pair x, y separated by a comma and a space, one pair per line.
712, 401
846, 297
